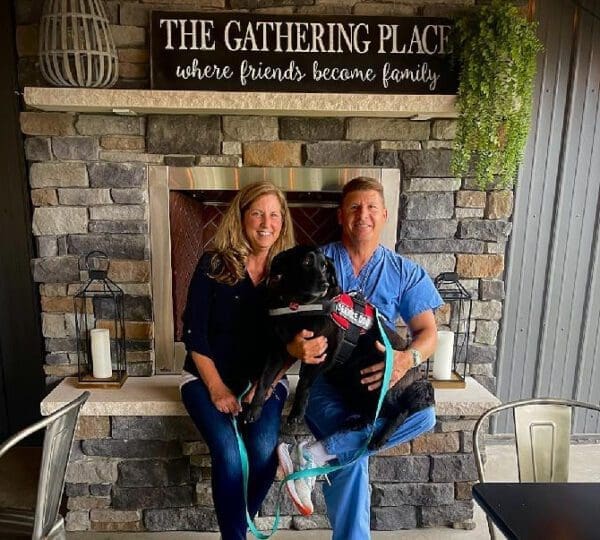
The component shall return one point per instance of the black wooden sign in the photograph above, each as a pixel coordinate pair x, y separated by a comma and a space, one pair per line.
284, 53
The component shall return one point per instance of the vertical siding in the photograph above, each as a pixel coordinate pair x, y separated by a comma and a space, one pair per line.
587, 376
549, 344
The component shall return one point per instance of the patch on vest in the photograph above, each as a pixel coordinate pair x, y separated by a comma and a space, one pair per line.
346, 312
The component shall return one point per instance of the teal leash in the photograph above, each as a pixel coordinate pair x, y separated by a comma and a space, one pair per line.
387, 375
315, 471
245, 474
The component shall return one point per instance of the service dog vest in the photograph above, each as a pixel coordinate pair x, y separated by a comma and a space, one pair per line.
352, 309
349, 311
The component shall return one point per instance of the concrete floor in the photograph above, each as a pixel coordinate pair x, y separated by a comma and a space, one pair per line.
18, 471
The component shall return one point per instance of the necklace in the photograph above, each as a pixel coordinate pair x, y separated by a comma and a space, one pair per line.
256, 277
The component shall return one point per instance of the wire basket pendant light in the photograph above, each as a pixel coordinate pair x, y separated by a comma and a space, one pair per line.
76, 47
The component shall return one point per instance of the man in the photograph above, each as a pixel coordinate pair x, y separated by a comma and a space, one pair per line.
398, 288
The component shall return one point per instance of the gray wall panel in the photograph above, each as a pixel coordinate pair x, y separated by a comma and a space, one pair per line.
587, 382
549, 341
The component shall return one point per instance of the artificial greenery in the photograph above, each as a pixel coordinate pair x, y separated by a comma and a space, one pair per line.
496, 49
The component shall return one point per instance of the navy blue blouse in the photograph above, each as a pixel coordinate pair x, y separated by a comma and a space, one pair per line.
227, 323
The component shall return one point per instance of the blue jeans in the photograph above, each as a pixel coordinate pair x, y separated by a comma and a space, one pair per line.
348, 498
260, 439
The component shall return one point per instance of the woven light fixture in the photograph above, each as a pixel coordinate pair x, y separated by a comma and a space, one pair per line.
76, 47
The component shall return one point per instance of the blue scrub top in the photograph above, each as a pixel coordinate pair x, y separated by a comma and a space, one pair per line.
398, 287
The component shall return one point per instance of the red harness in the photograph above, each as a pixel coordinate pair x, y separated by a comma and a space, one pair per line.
348, 309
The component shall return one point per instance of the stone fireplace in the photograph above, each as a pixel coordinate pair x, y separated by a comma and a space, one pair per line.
186, 206
99, 162
103, 181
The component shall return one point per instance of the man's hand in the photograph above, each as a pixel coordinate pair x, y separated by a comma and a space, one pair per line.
308, 349
374, 374
224, 400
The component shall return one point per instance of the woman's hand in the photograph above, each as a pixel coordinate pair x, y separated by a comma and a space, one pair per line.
224, 400
308, 349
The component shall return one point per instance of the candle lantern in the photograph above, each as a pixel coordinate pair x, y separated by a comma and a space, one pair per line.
100, 327
454, 330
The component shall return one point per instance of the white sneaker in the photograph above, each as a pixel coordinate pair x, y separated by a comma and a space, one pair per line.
286, 465
299, 490
305, 486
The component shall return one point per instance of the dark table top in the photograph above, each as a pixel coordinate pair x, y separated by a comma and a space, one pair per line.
540, 511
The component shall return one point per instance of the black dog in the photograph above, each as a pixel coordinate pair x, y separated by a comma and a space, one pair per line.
303, 294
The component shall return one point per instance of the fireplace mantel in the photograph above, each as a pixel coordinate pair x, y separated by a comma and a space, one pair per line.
134, 102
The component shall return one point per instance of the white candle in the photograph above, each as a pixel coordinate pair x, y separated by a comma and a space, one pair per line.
100, 345
442, 358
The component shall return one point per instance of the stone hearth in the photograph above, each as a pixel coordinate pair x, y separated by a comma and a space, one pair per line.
138, 464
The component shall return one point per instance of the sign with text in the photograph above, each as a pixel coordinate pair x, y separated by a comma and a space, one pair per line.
284, 53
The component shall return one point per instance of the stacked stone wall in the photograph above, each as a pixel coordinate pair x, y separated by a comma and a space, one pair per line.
89, 190
153, 474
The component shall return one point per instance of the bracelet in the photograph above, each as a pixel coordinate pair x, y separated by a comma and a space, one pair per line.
416, 356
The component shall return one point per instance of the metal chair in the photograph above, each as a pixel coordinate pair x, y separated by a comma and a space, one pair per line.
45, 521
542, 437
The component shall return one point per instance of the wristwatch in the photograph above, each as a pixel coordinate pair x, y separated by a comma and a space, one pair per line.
416, 357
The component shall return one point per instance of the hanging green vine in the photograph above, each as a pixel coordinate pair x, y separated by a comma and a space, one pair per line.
496, 48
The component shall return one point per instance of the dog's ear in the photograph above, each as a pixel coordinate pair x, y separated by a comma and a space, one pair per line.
277, 264
273, 279
331, 274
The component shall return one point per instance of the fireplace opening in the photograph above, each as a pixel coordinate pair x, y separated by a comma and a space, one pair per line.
188, 204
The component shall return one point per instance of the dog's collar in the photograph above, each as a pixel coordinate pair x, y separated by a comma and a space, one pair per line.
346, 310
294, 308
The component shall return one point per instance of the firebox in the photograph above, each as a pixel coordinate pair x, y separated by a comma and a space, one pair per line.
186, 207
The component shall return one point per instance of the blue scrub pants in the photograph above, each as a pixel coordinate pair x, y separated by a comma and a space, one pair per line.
260, 439
348, 498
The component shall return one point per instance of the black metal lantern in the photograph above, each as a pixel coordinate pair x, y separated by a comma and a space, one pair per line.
459, 304
100, 327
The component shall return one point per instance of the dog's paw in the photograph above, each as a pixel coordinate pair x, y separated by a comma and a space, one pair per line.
251, 415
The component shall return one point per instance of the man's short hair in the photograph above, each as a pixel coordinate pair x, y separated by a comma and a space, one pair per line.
362, 183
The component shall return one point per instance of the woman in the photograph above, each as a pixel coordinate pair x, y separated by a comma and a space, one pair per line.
224, 329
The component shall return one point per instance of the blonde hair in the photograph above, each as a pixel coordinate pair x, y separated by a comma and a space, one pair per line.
232, 248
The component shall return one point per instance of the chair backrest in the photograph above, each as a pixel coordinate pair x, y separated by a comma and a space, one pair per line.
542, 436
58, 439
